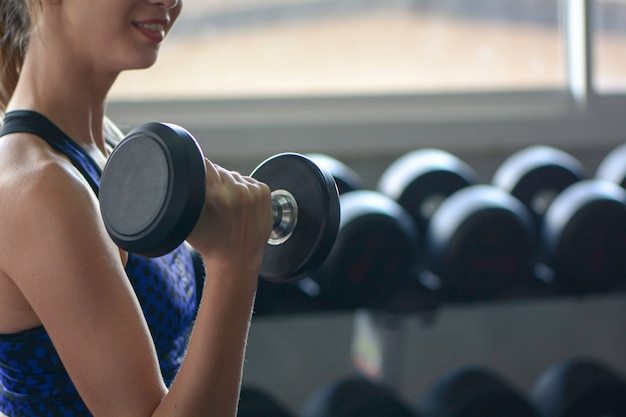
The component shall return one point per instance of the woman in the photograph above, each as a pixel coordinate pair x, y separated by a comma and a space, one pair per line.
84, 329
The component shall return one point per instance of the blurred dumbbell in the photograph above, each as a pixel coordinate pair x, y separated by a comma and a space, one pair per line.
476, 238
473, 391
370, 260
536, 175
420, 180
479, 245
584, 236
579, 387
581, 223
613, 166
355, 397
346, 178
372, 256
256, 402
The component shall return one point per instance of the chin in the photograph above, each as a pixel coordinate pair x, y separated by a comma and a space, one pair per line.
147, 61
140, 61
137, 66
142, 66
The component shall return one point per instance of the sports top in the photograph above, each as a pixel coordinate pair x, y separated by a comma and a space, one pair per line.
33, 381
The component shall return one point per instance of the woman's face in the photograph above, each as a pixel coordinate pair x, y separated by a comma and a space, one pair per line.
117, 34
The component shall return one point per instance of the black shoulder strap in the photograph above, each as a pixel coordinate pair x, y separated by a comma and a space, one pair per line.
27, 121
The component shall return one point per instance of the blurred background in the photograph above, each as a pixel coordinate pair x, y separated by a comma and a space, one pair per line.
367, 81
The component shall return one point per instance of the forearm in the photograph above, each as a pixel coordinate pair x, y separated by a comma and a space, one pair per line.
209, 380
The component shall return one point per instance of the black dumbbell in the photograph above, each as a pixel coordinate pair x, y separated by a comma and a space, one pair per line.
346, 178
479, 246
257, 402
304, 295
579, 387
536, 175
476, 239
355, 397
583, 238
420, 180
372, 258
613, 166
580, 222
153, 187
474, 391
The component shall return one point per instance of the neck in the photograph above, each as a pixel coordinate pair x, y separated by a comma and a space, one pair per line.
72, 96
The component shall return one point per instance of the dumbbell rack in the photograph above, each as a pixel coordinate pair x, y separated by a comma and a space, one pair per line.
409, 350
383, 337
379, 344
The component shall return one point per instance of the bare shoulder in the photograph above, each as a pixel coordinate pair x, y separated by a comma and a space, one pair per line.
38, 185
44, 200
26, 160
55, 250
40, 192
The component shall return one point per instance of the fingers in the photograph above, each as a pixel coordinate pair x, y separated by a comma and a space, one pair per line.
217, 176
230, 191
212, 174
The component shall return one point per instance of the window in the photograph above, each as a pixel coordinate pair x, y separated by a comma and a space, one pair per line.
609, 41
277, 48
250, 78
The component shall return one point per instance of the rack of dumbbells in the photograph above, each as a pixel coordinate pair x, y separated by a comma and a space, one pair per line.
430, 236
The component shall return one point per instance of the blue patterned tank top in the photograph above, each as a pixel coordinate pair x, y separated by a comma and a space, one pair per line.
33, 381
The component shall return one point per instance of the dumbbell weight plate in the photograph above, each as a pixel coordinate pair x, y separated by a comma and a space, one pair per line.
420, 180
346, 178
613, 166
583, 236
317, 223
579, 387
474, 391
373, 255
355, 396
479, 245
152, 189
257, 402
535, 175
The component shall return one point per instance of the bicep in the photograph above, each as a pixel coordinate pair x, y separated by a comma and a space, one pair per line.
72, 275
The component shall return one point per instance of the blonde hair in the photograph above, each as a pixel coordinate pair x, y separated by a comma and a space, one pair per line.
15, 27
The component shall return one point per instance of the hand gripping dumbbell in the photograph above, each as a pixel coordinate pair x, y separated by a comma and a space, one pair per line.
153, 188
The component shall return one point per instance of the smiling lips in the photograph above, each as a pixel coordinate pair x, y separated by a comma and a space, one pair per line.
154, 31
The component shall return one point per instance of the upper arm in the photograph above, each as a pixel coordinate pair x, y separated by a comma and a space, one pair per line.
58, 253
